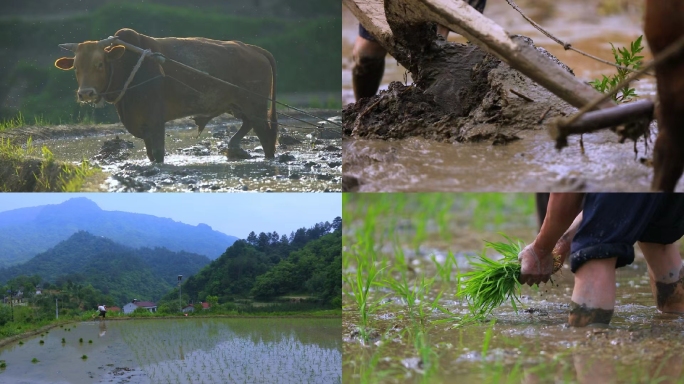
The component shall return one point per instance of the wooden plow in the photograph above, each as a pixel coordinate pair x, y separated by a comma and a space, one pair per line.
394, 23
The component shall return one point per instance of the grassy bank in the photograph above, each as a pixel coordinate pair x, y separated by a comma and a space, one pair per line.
29, 168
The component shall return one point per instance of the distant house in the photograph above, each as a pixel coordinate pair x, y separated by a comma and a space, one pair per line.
135, 304
113, 309
191, 307
39, 291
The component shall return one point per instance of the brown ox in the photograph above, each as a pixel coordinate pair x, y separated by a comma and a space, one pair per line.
158, 95
664, 25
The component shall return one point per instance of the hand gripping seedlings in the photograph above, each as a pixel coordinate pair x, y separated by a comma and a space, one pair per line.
491, 282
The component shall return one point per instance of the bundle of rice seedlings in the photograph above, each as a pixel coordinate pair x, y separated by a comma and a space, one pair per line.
491, 282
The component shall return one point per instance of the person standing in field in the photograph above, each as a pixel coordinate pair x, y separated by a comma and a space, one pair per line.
598, 232
103, 311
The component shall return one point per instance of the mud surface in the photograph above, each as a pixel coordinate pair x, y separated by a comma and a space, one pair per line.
532, 345
447, 151
483, 105
305, 160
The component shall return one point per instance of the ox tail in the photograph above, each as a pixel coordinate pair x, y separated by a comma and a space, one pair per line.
272, 116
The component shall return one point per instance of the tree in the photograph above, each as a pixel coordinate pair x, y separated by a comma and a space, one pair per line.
252, 238
337, 224
212, 300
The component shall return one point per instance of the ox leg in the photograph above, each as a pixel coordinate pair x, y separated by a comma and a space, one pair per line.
267, 137
234, 141
154, 143
234, 151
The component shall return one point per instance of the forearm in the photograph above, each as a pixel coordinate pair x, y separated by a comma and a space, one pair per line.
562, 210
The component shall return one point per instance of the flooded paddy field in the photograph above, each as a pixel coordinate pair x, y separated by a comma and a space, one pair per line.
403, 321
530, 162
180, 351
306, 160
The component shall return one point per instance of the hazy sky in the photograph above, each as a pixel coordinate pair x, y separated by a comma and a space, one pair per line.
234, 214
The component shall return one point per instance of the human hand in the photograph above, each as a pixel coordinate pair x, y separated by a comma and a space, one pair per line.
561, 252
535, 266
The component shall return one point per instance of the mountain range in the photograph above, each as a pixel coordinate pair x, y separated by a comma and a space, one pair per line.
116, 270
26, 232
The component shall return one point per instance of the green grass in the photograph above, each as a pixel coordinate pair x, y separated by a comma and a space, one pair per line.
29, 168
386, 245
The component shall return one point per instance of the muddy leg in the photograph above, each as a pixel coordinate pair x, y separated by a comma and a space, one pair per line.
369, 66
668, 161
234, 151
593, 297
666, 273
154, 144
234, 141
267, 138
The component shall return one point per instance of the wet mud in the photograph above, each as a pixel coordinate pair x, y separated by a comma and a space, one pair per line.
437, 150
484, 100
306, 160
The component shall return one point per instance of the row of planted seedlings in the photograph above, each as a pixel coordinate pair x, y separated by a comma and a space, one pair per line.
211, 351
398, 291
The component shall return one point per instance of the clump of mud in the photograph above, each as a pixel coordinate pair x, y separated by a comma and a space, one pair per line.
113, 151
474, 97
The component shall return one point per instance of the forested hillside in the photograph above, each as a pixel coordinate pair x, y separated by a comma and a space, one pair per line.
118, 271
268, 265
27, 231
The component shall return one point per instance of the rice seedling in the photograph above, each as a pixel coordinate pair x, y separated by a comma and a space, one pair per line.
491, 282
22, 343
63, 340
3, 364
487, 338
34, 360
84, 357
40, 342
80, 340
444, 270
90, 341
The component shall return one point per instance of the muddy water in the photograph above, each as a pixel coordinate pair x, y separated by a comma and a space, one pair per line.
180, 351
533, 345
528, 164
196, 164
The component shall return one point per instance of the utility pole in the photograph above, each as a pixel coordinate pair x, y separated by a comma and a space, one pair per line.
11, 302
180, 300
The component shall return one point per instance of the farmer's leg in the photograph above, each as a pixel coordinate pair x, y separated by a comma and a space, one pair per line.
666, 273
611, 224
369, 64
593, 297
662, 256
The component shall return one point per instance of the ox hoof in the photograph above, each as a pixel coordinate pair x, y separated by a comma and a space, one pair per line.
236, 153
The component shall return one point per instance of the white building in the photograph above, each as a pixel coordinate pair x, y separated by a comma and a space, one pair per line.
135, 304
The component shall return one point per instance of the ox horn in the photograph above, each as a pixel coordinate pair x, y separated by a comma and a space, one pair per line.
69, 46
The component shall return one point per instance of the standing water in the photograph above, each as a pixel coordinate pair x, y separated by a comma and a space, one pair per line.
189, 350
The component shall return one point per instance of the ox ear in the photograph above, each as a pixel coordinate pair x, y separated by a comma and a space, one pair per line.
115, 53
65, 63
